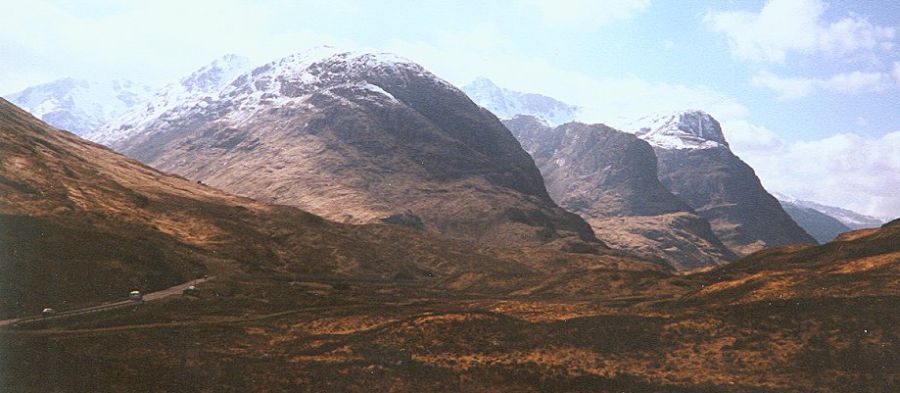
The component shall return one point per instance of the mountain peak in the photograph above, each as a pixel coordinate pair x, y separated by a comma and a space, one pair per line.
507, 104
484, 83
690, 129
216, 74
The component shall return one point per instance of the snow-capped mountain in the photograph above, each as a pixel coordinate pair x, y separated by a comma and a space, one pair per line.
691, 129
850, 218
696, 164
80, 106
609, 177
359, 138
203, 83
506, 104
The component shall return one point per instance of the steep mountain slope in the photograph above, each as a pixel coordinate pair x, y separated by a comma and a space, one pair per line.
609, 178
80, 106
203, 82
849, 218
80, 223
819, 225
360, 138
696, 164
506, 104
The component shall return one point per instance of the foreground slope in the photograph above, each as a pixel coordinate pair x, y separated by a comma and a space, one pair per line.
360, 138
861, 263
697, 165
609, 178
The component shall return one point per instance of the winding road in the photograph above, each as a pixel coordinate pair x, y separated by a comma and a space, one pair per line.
105, 306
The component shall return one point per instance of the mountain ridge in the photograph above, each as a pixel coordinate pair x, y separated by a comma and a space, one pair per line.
359, 137
609, 177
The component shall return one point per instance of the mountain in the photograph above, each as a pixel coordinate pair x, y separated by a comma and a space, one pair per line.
819, 225
203, 82
696, 164
609, 178
358, 138
507, 103
78, 105
849, 218
80, 223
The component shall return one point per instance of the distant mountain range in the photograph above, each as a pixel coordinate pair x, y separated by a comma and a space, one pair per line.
825, 222
850, 218
80, 106
373, 137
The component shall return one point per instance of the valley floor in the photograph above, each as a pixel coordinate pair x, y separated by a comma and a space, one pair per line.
244, 334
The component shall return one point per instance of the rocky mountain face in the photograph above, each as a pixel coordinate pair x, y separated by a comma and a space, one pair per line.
357, 138
609, 178
696, 164
507, 103
80, 106
819, 225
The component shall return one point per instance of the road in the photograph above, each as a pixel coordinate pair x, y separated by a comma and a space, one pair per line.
106, 306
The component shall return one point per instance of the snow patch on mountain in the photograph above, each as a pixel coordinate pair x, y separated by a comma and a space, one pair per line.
506, 104
203, 83
80, 106
690, 129
286, 82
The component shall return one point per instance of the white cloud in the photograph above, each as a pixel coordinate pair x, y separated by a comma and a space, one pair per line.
897, 72
846, 170
749, 138
784, 26
589, 13
847, 83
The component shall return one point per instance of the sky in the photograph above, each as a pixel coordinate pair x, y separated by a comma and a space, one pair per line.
808, 91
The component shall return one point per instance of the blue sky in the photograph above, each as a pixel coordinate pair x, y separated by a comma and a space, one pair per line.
808, 90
